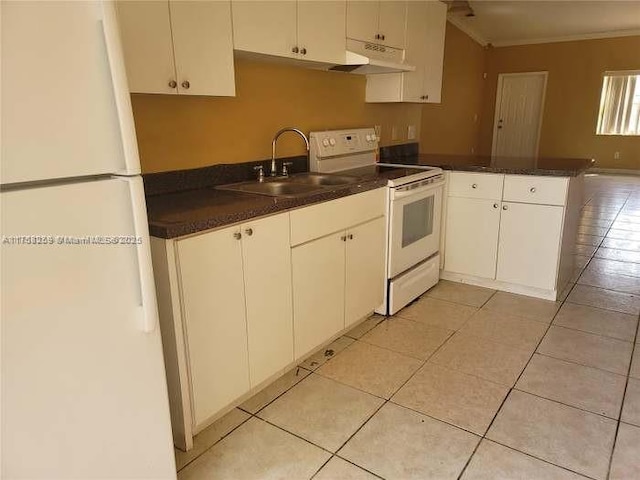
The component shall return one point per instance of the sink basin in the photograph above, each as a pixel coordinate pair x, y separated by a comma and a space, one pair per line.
323, 179
285, 188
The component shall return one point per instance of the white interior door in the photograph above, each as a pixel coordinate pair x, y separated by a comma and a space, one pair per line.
83, 388
518, 115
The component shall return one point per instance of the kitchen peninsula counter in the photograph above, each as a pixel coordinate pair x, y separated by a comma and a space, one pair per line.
543, 166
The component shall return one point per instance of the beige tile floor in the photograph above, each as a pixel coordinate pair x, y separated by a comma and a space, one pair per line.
464, 383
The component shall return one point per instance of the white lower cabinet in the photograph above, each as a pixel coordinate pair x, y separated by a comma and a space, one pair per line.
529, 246
472, 236
266, 261
337, 280
233, 309
364, 283
501, 231
318, 294
213, 308
227, 299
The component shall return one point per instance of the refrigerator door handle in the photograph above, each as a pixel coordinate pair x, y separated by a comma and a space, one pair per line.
145, 267
120, 89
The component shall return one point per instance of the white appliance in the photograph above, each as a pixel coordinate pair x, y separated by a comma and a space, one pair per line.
83, 381
414, 204
366, 58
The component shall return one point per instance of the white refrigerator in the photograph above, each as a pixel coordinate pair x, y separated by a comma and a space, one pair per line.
83, 382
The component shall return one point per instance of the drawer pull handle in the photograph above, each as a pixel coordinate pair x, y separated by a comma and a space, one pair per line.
249, 231
475, 185
532, 189
343, 238
495, 205
505, 207
173, 84
237, 235
350, 236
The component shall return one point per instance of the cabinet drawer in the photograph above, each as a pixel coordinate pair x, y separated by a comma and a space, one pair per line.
532, 189
476, 185
325, 218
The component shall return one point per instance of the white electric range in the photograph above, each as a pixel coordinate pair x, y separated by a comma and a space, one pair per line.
414, 209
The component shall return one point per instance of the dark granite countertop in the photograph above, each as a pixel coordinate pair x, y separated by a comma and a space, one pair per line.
176, 214
560, 167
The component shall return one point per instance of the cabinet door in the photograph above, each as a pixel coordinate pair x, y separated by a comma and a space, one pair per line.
267, 278
318, 291
145, 29
529, 245
265, 27
202, 42
391, 25
472, 236
415, 51
321, 30
210, 269
434, 60
362, 20
365, 261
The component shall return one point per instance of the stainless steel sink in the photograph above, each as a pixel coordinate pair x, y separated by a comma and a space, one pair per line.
275, 188
323, 179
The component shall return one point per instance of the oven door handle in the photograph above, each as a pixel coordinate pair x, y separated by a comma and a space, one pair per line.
399, 193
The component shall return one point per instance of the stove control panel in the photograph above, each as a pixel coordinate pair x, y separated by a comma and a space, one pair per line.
332, 143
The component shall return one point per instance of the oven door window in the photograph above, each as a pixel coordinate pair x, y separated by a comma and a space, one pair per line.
417, 220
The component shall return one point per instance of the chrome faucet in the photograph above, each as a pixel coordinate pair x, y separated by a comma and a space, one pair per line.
274, 170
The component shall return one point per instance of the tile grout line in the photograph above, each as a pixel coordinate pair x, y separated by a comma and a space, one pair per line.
626, 386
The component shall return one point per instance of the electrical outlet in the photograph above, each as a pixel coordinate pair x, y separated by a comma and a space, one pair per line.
411, 132
616, 156
394, 133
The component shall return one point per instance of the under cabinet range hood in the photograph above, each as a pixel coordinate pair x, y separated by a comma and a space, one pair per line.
366, 58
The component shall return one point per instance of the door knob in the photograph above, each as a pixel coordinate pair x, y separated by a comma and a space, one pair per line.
495, 205
505, 207
295, 50
350, 236
249, 231
303, 51
475, 185
237, 235
532, 189
343, 238
173, 84
186, 84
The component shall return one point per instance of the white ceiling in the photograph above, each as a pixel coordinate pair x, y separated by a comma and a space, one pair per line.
509, 22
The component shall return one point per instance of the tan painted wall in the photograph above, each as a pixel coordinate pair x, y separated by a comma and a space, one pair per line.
573, 96
453, 126
179, 132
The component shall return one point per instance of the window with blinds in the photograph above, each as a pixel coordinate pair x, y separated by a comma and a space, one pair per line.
620, 104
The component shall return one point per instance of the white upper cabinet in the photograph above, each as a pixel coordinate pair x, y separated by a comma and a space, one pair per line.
305, 30
265, 27
380, 22
392, 23
321, 30
434, 61
178, 47
424, 49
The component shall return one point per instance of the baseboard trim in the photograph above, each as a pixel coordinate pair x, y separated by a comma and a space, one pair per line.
614, 171
498, 285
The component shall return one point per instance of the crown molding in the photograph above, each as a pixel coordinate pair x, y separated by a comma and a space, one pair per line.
569, 38
467, 29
